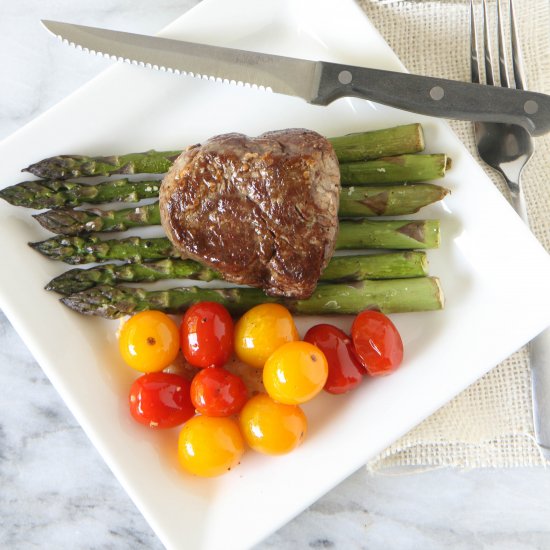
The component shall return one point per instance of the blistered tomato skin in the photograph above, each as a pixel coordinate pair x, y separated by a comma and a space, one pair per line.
209, 446
217, 392
272, 428
261, 330
161, 400
377, 342
295, 373
149, 341
345, 371
207, 335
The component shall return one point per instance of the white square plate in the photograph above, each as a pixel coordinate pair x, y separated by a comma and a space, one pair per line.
495, 275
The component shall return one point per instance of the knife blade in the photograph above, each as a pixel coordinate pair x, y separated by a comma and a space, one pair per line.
318, 82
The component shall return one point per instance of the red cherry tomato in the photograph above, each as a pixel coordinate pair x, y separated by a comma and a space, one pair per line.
207, 335
161, 400
217, 392
377, 342
345, 371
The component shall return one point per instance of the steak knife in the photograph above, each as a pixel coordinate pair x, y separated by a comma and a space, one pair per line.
318, 82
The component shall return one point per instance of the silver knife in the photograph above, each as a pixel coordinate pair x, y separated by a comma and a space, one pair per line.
318, 82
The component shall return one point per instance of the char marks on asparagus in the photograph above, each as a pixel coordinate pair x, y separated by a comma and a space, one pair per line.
262, 211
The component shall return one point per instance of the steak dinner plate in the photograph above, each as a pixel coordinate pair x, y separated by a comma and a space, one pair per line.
495, 275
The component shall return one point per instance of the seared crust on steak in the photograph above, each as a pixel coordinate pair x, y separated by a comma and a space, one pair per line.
262, 211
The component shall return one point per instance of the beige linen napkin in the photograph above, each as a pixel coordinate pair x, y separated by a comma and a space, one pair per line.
490, 424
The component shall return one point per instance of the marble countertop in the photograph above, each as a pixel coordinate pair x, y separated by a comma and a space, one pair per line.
55, 490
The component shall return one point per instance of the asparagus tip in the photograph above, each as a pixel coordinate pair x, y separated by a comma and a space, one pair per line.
33, 169
69, 283
61, 221
4, 195
14, 195
96, 301
40, 219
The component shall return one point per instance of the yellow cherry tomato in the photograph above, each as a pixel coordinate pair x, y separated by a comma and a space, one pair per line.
149, 341
295, 372
261, 330
272, 428
210, 446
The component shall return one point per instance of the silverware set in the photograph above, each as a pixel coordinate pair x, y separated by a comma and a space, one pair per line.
508, 148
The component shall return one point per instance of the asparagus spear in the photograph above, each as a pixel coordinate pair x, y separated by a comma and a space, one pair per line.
390, 200
372, 144
396, 234
393, 265
76, 166
82, 250
379, 143
396, 169
62, 194
388, 296
388, 265
75, 222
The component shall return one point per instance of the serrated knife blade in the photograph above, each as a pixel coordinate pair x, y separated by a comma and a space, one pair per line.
318, 82
280, 74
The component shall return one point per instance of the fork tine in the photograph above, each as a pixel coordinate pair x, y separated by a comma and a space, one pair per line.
517, 63
474, 63
502, 65
487, 47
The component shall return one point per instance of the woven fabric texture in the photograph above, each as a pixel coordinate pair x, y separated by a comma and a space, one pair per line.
489, 424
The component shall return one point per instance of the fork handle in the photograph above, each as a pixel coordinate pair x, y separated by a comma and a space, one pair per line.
434, 96
518, 201
538, 351
539, 360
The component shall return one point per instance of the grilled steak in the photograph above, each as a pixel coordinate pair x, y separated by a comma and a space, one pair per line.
262, 211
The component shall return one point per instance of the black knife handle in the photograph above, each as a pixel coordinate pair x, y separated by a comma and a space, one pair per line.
434, 96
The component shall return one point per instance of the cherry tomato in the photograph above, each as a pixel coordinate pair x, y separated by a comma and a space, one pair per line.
295, 372
377, 342
149, 341
207, 335
345, 371
272, 428
261, 330
217, 392
209, 446
161, 400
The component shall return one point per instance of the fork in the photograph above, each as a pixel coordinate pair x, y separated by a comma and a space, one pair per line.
507, 148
